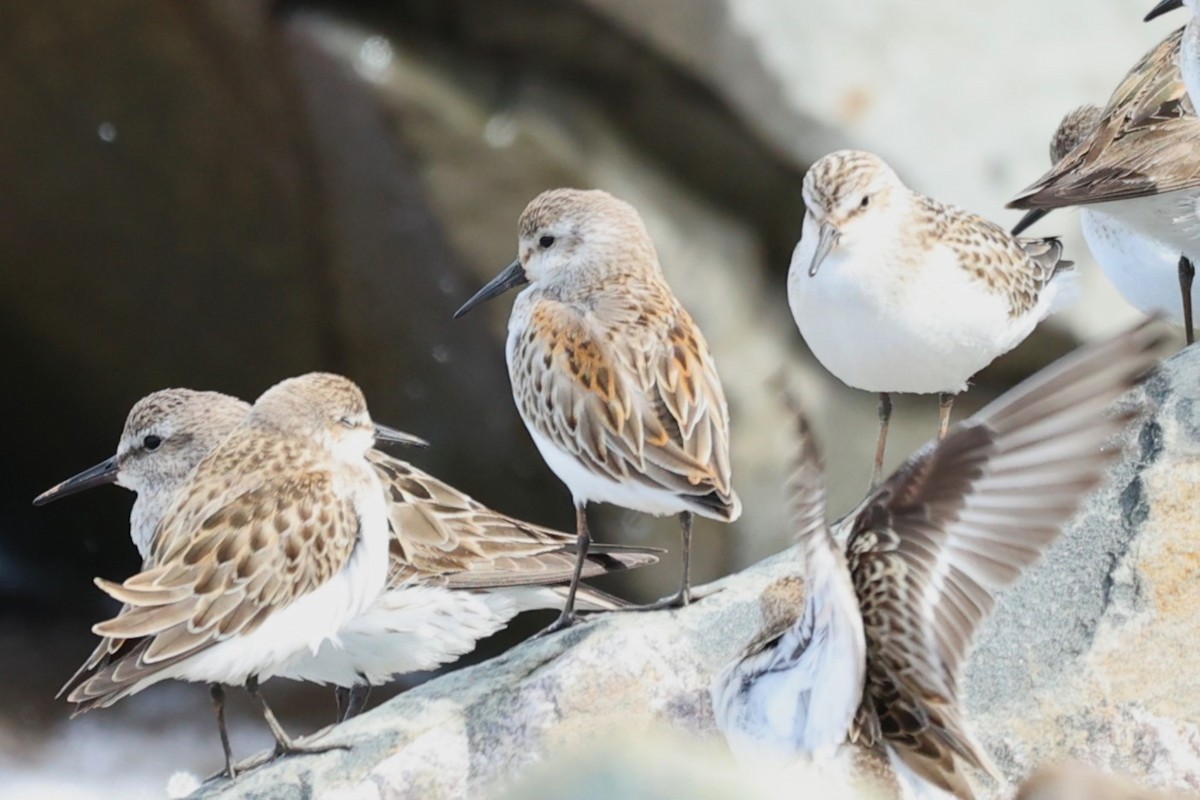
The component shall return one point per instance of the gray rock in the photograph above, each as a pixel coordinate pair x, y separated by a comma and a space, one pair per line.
1090, 657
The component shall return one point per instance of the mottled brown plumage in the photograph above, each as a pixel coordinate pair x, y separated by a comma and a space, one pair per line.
269, 516
1018, 269
962, 520
1076, 125
610, 374
1146, 142
440, 536
443, 537
926, 552
610, 367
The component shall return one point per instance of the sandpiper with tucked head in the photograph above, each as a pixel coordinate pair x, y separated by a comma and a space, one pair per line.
1139, 164
277, 539
1145, 271
610, 374
458, 573
896, 292
926, 554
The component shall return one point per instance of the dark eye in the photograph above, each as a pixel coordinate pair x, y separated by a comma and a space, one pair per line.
151, 442
546, 242
866, 201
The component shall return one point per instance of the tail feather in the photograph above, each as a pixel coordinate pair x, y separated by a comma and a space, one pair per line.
1058, 277
548, 569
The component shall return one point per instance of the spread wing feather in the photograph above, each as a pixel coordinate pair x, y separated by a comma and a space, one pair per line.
961, 520
1145, 143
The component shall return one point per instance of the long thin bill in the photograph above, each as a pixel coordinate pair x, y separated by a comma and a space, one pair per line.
1162, 8
1028, 220
512, 276
102, 473
385, 434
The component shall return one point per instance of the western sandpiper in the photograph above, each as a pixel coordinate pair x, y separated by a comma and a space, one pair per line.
166, 435
609, 372
277, 539
896, 292
1140, 164
458, 570
926, 554
1145, 271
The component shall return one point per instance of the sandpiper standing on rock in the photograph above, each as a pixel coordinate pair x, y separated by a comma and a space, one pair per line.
1140, 164
926, 554
609, 372
1144, 270
278, 538
896, 292
458, 571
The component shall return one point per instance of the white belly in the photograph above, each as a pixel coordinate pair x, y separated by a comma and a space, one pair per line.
591, 487
801, 694
895, 328
407, 630
1145, 271
1172, 219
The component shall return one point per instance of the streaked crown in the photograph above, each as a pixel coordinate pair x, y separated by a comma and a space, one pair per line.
168, 432
846, 183
573, 233
1077, 125
319, 405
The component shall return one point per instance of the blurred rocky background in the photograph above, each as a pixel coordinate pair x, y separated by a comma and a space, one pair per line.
223, 193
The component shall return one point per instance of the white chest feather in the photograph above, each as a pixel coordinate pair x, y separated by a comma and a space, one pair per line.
883, 323
1145, 271
408, 630
799, 695
1172, 218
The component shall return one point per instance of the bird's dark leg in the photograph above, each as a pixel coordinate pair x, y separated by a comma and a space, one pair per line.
685, 589
1187, 271
218, 700
684, 595
885, 417
341, 700
567, 618
945, 404
356, 699
283, 743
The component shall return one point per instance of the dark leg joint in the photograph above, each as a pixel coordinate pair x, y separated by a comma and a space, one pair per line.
567, 618
1187, 272
945, 405
218, 700
885, 416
